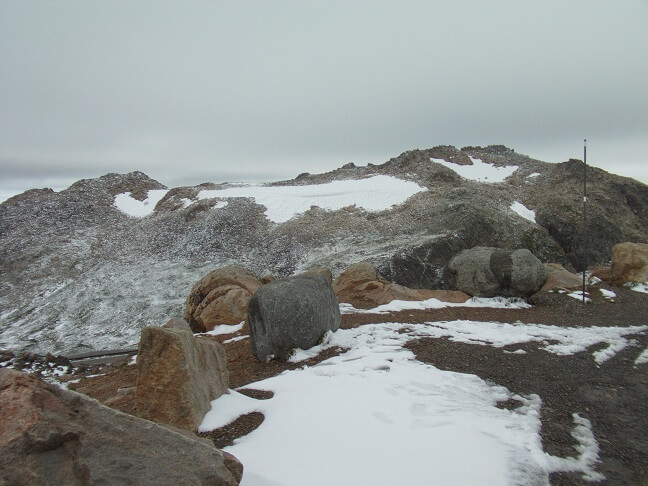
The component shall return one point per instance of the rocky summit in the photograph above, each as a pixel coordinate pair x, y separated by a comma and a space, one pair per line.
90, 266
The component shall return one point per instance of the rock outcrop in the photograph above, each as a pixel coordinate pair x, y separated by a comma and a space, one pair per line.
629, 263
491, 272
178, 375
53, 436
290, 313
558, 277
220, 297
362, 286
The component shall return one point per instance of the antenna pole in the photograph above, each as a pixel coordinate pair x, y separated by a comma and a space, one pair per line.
584, 217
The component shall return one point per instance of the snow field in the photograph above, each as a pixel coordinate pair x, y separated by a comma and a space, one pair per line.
376, 193
375, 415
479, 171
282, 203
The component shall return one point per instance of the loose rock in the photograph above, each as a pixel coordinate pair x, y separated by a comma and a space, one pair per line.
291, 313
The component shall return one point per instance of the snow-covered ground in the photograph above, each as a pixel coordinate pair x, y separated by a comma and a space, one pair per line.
376, 193
521, 210
282, 203
127, 204
375, 415
479, 171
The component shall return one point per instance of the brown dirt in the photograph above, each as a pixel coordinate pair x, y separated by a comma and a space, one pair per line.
612, 396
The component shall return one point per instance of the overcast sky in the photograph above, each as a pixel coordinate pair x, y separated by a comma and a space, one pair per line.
264, 90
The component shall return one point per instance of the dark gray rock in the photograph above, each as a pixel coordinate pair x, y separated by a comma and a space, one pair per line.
491, 272
291, 313
52, 436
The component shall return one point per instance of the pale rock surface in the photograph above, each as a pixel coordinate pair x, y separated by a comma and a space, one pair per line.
629, 263
52, 436
220, 297
178, 375
558, 277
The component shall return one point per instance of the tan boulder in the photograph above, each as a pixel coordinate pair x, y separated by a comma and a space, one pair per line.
629, 263
361, 286
49, 435
602, 272
220, 297
558, 277
178, 375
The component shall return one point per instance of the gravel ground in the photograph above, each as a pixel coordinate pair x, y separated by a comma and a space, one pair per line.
613, 395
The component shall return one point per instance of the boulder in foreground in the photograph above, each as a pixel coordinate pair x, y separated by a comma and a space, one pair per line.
178, 375
629, 263
290, 313
492, 272
53, 436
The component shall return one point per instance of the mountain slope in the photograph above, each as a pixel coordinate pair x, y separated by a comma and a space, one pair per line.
79, 272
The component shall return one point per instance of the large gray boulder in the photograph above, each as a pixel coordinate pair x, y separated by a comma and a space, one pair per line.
178, 375
290, 313
52, 436
490, 272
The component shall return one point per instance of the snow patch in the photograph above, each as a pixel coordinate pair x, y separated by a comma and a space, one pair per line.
608, 294
138, 209
359, 404
578, 295
479, 171
402, 305
642, 358
638, 287
521, 210
282, 203
534, 175
234, 339
224, 329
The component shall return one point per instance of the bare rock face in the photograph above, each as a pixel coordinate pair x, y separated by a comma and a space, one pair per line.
558, 277
362, 286
220, 297
492, 272
629, 263
53, 436
290, 313
178, 375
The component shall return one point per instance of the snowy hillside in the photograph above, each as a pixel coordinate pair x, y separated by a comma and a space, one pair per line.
87, 267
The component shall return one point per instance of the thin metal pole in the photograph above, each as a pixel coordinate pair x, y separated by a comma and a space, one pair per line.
584, 217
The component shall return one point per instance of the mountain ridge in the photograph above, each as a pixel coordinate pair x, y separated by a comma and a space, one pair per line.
80, 274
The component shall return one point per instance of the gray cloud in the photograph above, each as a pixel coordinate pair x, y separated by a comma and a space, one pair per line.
195, 91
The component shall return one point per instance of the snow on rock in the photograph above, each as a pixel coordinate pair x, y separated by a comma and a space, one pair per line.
128, 205
282, 203
479, 171
638, 287
523, 211
642, 358
376, 396
608, 294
